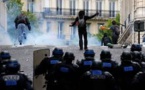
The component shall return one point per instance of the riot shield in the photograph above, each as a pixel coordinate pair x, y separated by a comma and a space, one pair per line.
38, 56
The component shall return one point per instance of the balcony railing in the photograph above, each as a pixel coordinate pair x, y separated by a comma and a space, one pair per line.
74, 12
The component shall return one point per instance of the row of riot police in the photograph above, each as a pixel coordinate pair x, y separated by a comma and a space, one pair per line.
88, 74
10, 76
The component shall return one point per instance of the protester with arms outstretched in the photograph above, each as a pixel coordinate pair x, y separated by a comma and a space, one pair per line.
82, 31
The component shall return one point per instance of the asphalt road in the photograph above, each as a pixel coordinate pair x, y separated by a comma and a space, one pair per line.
24, 54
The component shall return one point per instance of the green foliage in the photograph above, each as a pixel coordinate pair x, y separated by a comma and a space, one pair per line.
32, 18
14, 7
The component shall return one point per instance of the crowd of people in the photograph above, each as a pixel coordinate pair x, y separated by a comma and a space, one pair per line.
88, 74
61, 72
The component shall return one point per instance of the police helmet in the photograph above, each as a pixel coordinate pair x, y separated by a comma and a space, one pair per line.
5, 55
89, 53
136, 55
126, 56
12, 66
57, 52
69, 56
105, 54
136, 47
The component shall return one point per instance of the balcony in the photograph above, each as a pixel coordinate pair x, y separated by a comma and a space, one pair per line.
72, 13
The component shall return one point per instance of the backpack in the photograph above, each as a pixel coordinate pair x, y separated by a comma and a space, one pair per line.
81, 22
21, 19
116, 30
107, 40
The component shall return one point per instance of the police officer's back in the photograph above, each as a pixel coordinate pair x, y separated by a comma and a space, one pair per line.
139, 81
107, 63
48, 63
126, 70
86, 63
65, 74
97, 79
12, 79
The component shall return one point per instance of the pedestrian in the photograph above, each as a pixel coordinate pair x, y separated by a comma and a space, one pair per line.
21, 22
115, 32
82, 31
105, 40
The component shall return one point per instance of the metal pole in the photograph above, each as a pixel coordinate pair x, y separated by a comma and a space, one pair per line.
139, 33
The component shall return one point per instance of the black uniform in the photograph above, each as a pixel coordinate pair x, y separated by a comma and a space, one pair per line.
139, 81
12, 79
86, 64
15, 81
4, 58
65, 74
107, 63
138, 57
97, 79
82, 32
47, 64
126, 71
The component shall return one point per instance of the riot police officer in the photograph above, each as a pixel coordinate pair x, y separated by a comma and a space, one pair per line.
137, 57
12, 79
127, 70
65, 74
107, 63
139, 81
4, 58
136, 47
86, 63
48, 62
97, 79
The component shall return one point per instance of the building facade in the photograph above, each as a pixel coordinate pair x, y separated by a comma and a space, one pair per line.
57, 15
3, 15
130, 13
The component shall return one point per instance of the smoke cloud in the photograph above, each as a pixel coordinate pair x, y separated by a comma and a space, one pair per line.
35, 37
4, 37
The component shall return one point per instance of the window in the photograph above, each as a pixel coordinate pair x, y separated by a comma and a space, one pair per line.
60, 30
86, 6
30, 7
99, 7
46, 3
73, 32
112, 9
48, 26
72, 7
59, 7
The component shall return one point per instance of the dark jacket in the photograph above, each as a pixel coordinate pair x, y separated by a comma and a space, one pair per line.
18, 21
81, 29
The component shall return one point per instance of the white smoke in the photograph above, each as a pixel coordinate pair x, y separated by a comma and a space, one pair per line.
4, 37
35, 38
39, 38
